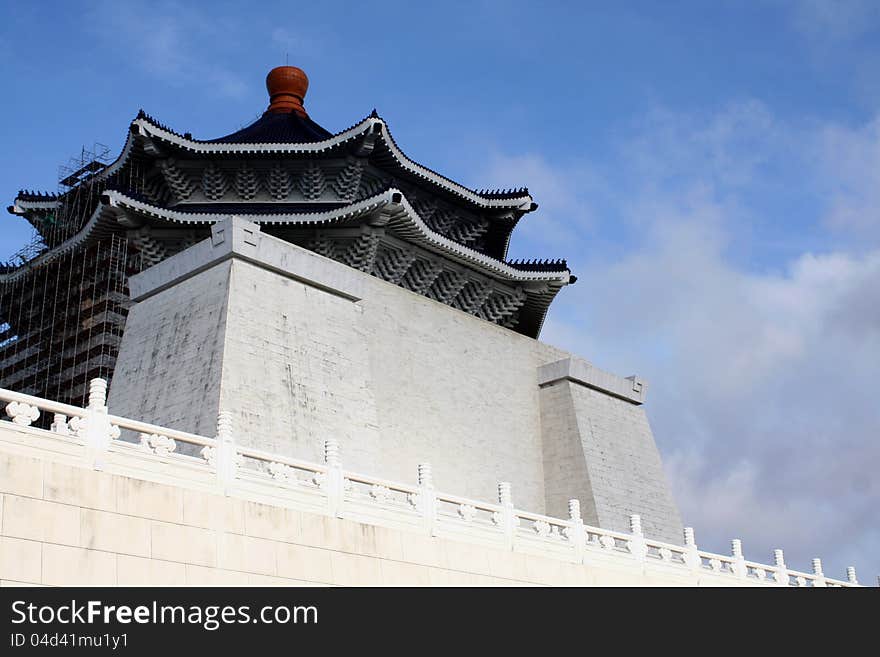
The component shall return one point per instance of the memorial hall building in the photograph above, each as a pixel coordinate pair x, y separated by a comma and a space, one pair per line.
265, 354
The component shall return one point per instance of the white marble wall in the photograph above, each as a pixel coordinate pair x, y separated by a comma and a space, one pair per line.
63, 525
599, 448
302, 348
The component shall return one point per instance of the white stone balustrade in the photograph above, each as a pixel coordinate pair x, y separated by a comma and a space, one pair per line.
59, 424
637, 545
22, 414
219, 463
739, 562
781, 576
818, 575
851, 575
427, 500
334, 479
692, 556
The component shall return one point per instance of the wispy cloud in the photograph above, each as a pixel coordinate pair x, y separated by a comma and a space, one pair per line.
762, 377
835, 20
842, 39
172, 42
851, 163
564, 192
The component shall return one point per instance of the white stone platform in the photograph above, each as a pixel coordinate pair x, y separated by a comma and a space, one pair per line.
104, 500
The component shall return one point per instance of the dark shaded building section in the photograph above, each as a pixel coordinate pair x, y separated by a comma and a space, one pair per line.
61, 321
63, 303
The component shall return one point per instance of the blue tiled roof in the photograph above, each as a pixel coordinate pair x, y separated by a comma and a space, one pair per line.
290, 128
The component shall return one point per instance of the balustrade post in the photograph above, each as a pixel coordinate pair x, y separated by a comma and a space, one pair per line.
692, 554
97, 430
781, 574
637, 546
578, 534
508, 517
427, 500
819, 582
59, 425
334, 484
851, 575
226, 457
739, 561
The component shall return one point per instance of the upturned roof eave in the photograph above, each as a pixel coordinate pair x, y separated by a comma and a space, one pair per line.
549, 283
440, 243
82, 236
391, 197
488, 200
145, 126
21, 206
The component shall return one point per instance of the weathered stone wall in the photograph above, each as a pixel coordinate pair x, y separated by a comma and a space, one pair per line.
296, 368
586, 458
303, 348
456, 391
171, 367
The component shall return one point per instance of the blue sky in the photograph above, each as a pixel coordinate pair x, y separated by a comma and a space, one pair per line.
710, 170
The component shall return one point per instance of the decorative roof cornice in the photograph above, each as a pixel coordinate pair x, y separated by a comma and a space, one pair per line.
26, 201
493, 198
115, 198
519, 198
30, 195
539, 265
392, 201
561, 276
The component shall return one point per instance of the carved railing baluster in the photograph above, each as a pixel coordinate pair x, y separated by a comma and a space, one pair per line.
22, 414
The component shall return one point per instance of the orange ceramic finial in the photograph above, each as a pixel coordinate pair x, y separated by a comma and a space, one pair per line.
287, 86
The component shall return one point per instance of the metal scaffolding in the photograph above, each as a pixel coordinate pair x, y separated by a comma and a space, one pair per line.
61, 322
62, 317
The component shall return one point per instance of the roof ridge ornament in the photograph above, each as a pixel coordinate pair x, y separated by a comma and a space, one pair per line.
287, 87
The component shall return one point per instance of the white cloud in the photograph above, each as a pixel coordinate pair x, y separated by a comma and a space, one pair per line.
169, 41
851, 159
841, 39
762, 395
835, 20
726, 148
